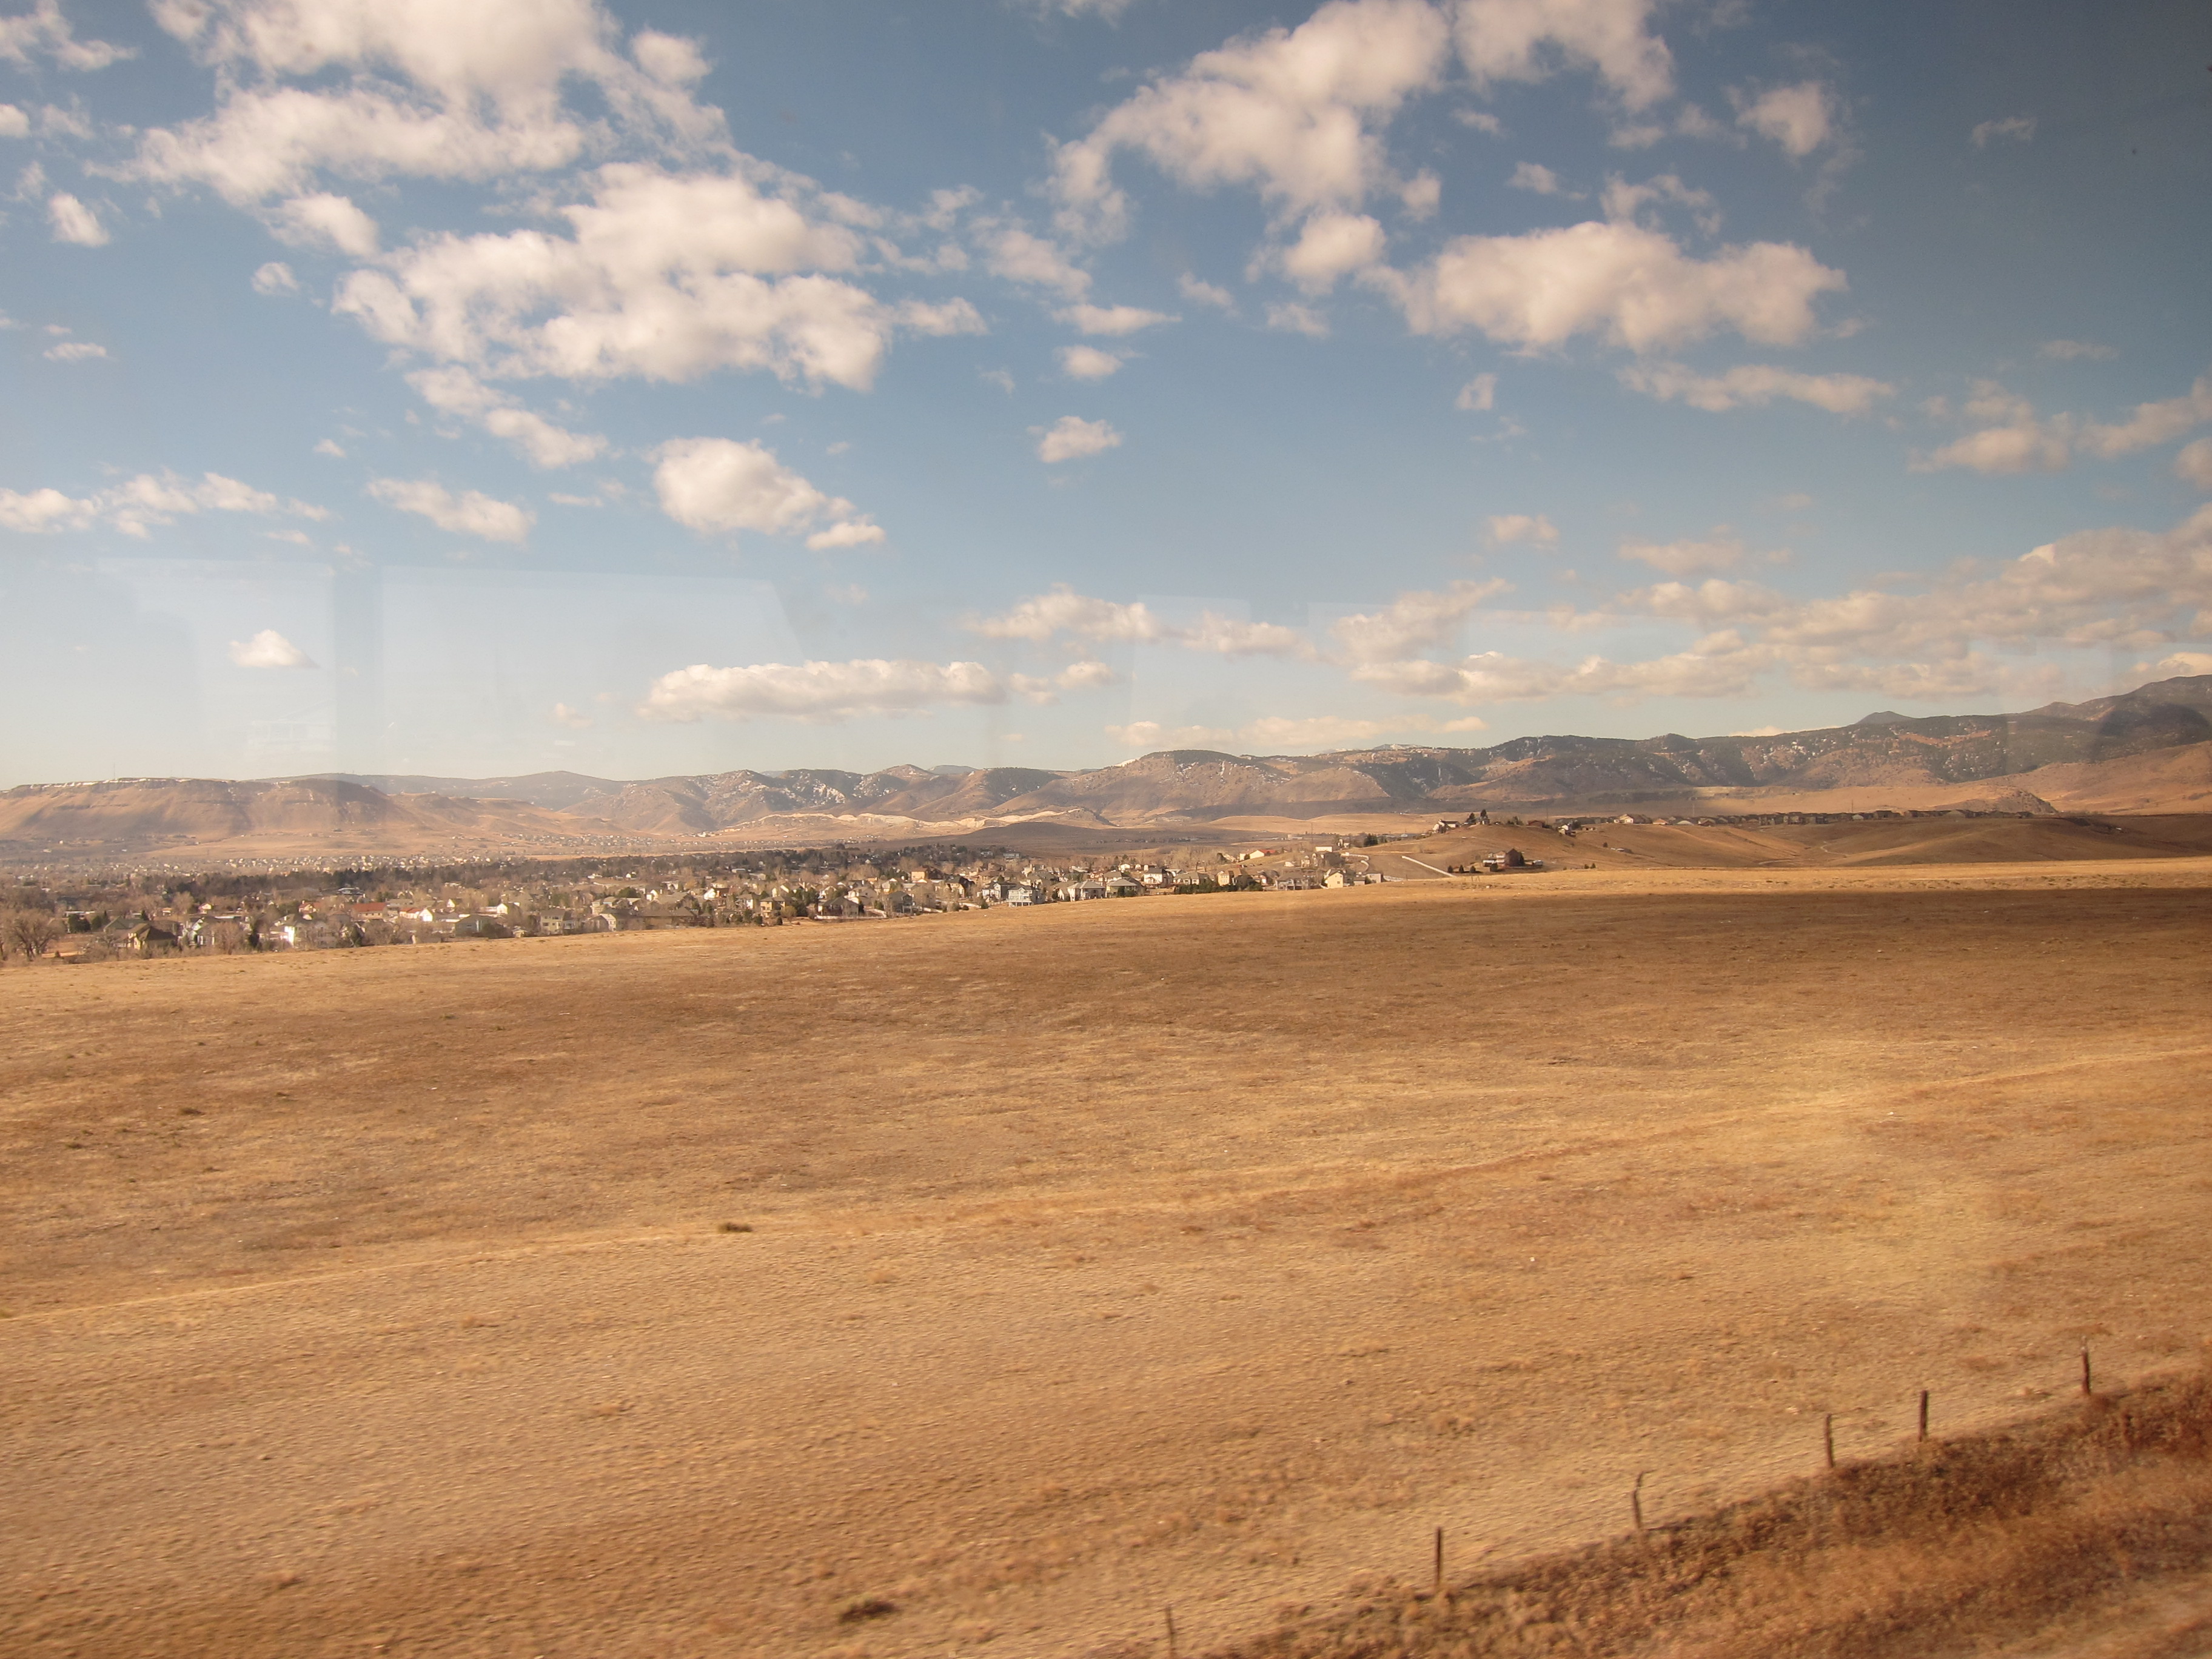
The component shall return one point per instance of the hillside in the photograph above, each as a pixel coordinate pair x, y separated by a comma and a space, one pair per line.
141, 815
2145, 751
1884, 750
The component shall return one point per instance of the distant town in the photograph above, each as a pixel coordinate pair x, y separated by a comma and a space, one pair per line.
164, 910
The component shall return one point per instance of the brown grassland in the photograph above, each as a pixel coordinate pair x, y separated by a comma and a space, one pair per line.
989, 1283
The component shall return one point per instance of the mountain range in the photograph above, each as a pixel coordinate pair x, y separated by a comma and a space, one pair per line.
2146, 750
1883, 749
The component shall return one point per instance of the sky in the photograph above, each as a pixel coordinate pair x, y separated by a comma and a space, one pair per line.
478, 387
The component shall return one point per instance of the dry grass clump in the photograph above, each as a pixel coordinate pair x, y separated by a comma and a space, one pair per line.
1946, 1548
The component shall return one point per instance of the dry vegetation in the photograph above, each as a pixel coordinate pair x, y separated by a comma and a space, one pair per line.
989, 1281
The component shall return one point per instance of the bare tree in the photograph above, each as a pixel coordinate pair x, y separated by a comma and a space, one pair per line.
30, 932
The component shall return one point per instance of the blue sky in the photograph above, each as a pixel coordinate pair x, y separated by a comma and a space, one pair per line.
412, 386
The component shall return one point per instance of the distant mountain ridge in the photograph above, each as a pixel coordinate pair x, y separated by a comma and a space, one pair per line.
2146, 750
1883, 749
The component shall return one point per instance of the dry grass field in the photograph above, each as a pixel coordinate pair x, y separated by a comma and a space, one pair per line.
987, 1283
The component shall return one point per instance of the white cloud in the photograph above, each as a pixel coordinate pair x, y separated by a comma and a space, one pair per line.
1800, 119
1071, 438
73, 222
1204, 293
666, 276
1064, 611
574, 719
74, 351
1086, 676
1113, 319
2152, 423
14, 123
322, 220
1478, 393
861, 531
1720, 667
2018, 442
1685, 558
1022, 256
1411, 622
1330, 247
1523, 41
456, 393
468, 513
2019, 127
1082, 362
1756, 385
269, 649
276, 277
1542, 180
1288, 318
2067, 351
1279, 732
721, 485
414, 87
330, 447
1506, 528
818, 690
999, 377
43, 32
135, 505
1631, 286
2192, 463
1624, 201
1288, 112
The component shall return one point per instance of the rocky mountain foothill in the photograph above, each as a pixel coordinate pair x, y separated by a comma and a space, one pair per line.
2148, 750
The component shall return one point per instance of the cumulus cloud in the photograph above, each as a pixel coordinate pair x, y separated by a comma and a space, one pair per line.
2068, 351
44, 33
1071, 438
322, 220
1800, 119
276, 277
574, 719
1478, 393
1331, 246
1063, 610
1629, 285
73, 222
269, 649
1529, 40
1287, 318
721, 485
2152, 423
1411, 622
1204, 293
1020, 255
74, 351
1685, 558
2018, 128
472, 513
456, 393
1113, 319
1756, 385
1292, 112
139, 503
14, 122
414, 88
1506, 528
820, 691
663, 277
1540, 180
1082, 363
2192, 463
2018, 442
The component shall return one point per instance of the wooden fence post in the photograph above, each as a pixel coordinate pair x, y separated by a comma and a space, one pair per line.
1924, 1414
2085, 1370
1171, 1641
1636, 1499
1440, 1561
1828, 1437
